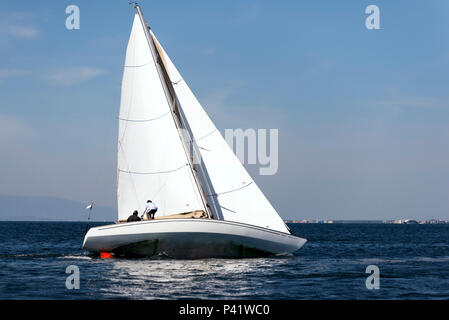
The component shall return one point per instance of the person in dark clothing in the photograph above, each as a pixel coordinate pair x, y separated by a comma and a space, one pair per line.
134, 217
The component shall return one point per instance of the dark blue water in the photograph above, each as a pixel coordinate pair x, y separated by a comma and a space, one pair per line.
413, 262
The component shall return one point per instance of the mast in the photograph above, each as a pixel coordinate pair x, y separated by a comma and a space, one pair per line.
173, 103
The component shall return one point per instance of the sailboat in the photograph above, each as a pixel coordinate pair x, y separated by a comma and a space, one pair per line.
169, 151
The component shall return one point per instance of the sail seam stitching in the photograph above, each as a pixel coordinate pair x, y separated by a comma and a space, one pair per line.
206, 135
144, 120
138, 66
220, 193
157, 172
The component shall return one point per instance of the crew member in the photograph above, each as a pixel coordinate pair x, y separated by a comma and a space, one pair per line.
150, 210
134, 217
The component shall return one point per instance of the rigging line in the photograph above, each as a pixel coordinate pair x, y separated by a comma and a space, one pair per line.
176, 81
228, 209
138, 66
210, 133
157, 172
144, 120
217, 194
160, 189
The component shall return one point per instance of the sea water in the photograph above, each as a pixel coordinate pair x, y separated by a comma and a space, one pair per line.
413, 263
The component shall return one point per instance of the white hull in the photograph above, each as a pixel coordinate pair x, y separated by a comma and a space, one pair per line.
190, 239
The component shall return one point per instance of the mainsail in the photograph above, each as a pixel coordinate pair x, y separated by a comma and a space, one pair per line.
237, 195
152, 163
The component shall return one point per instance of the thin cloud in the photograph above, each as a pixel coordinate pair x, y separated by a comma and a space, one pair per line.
6, 74
22, 31
12, 130
417, 102
246, 12
71, 76
18, 25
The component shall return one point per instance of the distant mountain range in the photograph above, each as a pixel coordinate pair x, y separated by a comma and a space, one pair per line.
28, 208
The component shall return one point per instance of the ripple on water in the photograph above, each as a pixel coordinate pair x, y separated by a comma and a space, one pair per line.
412, 262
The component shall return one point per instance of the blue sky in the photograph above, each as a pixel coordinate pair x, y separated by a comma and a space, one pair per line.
363, 115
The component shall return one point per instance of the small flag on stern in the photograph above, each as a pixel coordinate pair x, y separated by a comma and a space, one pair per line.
89, 207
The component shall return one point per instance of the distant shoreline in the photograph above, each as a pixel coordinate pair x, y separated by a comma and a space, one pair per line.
400, 221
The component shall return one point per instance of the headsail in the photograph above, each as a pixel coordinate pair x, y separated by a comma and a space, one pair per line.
152, 163
238, 196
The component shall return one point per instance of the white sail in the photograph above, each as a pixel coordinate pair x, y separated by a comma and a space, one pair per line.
152, 163
152, 144
239, 198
